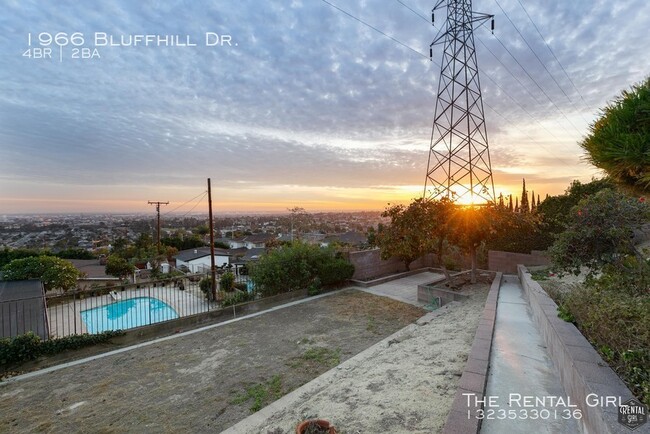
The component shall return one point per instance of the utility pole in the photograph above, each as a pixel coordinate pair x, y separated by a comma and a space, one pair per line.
213, 269
158, 225
459, 165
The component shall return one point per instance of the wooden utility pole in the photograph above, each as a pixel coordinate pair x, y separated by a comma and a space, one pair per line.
213, 270
158, 212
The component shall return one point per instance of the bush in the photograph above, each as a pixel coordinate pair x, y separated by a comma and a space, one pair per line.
205, 285
335, 271
237, 297
27, 347
295, 266
227, 281
599, 232
617, 322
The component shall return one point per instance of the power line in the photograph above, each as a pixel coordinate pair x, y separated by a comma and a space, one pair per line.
503, 90
182, 205
543, 65
375, 29
414, 11
197, 203
485, 74
552, 53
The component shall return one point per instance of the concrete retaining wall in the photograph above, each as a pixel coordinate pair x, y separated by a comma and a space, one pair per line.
507, 262
583, 372
426, 293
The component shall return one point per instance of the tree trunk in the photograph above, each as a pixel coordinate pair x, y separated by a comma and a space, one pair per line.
447, 275
472, 273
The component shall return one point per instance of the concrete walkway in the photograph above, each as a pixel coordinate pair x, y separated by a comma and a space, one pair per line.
521, 374
404, 289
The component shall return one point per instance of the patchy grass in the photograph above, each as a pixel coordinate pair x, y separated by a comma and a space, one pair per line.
371, 326
261, 394
323, 356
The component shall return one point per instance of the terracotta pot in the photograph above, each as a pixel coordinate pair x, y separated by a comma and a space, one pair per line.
302, 426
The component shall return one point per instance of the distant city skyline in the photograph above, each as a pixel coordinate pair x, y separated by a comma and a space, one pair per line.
288, 104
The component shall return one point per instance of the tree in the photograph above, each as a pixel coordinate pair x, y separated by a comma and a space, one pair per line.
118, 267
556, 210
524, 198
619, 141
599, 233
55, 273
469, 227
409, 234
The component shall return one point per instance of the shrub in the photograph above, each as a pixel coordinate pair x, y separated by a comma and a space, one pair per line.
599, 232
227, 281
237, 297
295, 266
617, 321
335, 271
28, 346
205, 285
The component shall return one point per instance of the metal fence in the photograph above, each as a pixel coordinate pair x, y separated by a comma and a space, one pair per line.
111, 307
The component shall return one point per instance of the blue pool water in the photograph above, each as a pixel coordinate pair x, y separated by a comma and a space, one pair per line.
127, 314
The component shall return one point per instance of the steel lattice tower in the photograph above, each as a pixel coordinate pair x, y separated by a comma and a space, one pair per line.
459, 160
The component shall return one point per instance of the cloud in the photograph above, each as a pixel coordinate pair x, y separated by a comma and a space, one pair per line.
304, 96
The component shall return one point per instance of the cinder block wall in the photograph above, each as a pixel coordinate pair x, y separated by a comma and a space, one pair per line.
506, 262
368, 264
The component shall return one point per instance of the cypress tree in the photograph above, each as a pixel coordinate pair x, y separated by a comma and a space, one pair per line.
524, 198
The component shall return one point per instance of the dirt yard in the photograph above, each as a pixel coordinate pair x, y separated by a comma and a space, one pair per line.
207, 381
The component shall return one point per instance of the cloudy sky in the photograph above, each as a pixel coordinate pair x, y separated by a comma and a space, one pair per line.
294, 104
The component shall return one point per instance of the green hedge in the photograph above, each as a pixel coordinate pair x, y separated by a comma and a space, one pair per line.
27, 347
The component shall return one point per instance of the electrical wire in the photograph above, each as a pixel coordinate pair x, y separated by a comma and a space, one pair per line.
414, 11
552, 53
543, 65
508, 94
375, 29
203, 193
486, 75
196, 204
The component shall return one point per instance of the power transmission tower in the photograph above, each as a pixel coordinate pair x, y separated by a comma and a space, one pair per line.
158, 226
459, 165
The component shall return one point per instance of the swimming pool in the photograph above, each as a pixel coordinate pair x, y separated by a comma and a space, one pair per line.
127, 314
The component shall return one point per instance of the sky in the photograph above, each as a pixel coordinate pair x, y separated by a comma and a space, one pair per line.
289, 103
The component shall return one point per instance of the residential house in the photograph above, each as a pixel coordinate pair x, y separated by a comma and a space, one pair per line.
198, 260
257, 241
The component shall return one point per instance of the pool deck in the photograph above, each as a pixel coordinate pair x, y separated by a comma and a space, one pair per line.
65, 319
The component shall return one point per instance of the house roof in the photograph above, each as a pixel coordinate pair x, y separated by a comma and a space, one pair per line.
259, 238
353, 238
90, 267
200, 252
253, 254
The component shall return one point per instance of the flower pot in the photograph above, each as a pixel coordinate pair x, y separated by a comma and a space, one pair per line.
325, 426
